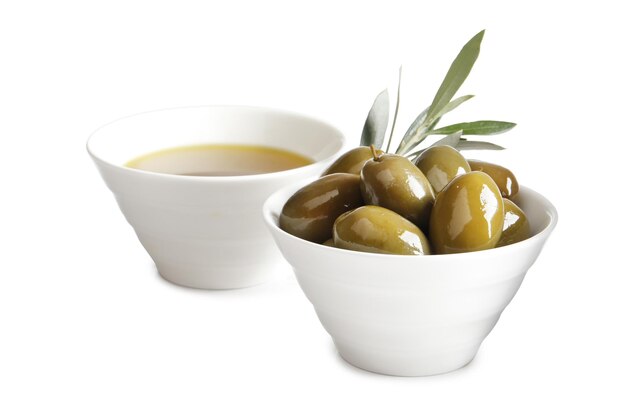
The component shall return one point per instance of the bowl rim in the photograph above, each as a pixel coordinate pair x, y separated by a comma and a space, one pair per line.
269, 207
220, 179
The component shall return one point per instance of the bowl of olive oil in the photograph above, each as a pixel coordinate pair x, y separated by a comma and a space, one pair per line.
208, 160
191, 182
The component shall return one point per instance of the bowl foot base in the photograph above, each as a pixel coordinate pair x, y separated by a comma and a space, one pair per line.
214, 280
402, 364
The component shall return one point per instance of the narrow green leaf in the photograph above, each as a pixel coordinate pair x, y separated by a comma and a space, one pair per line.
432, 125
461, 144
451, 140
376, 122
419, 120
395, 114
413, 129
475, 128
453, 104
415, 142
458, 72
477, 145
421, 136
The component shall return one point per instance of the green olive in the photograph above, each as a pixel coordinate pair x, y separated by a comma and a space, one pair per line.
395, 183
329, 242
468, 215
507, 183
516, 227
310, 213
352, 161
441, 164
379, 230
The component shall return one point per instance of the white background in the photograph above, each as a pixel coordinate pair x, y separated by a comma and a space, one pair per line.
86, 322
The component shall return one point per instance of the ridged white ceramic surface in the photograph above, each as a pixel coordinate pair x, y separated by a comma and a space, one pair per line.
207, 232
411, 315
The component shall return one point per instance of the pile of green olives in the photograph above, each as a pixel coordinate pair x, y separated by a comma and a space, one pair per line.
441, 203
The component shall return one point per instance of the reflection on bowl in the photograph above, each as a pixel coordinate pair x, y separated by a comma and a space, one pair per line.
411, 315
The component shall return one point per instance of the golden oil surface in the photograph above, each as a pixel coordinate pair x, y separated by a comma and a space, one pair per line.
219, 160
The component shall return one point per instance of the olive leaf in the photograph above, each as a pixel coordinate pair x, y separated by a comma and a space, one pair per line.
376, 122
482, 145
421, 136
451, 140
425, 123
475, 128
455, 141
413, 129
457, 73
452, 105
395, 114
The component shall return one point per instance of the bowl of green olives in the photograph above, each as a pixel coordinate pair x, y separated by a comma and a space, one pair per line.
409, 263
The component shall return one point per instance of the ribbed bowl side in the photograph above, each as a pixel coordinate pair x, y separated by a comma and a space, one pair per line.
207, 232
200, 234
411, 315
185, 250
432, 322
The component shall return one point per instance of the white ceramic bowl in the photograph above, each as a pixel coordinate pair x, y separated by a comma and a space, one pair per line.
411, 315
207, 232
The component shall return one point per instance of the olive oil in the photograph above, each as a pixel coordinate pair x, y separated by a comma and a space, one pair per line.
219, 160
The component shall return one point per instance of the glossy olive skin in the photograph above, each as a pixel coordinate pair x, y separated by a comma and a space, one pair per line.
441, 164
516, 227
352, 161
310, 213
502, 176
468, 215
378, 230
395, 183
329, 242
